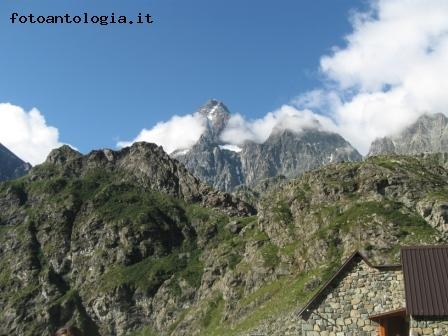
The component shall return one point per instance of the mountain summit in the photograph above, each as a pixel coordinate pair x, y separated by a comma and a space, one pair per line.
429, 134
217, 115
226, 166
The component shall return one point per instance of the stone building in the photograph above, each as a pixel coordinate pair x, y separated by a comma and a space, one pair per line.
362, 299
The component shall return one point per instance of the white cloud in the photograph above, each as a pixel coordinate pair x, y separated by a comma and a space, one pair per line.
371, 115
27, 134
387, 43
393, 69
180, 132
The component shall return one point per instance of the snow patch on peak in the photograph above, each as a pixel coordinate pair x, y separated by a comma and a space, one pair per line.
183, 152
232, 148
211, 115
179, 152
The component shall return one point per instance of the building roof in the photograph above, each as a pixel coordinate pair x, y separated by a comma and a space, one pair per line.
354, 258
425, 271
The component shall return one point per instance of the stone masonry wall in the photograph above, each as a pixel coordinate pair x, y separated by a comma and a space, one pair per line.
363, 291
428, 326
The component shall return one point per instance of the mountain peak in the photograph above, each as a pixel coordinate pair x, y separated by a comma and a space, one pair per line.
432, 117
217, 115
62, 154
434, 120
285, 152
212, 105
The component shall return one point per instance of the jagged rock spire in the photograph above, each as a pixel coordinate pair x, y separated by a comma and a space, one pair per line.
217, 115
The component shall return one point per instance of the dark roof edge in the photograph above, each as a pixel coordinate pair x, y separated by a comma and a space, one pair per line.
394, 312
339, 271
388, 267
419, 247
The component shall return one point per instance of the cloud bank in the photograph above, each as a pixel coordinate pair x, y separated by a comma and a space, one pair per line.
27, 134
392, 69
180, 132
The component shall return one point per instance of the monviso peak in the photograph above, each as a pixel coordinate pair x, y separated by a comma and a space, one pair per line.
226, 166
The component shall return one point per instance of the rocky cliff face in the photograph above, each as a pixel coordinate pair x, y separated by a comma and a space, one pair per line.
429, 134
284, 153
130, 243
11, 166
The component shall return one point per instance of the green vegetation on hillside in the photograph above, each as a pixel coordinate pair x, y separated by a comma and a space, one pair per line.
103, 240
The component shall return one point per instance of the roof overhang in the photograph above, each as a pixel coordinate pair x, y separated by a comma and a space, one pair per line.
390, 313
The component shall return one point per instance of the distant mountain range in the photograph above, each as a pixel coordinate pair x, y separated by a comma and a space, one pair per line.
285, 153
11, 166
288, 153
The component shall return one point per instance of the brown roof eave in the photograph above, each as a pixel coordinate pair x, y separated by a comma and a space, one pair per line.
396, 312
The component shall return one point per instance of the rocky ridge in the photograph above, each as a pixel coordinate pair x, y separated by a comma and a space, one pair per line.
149, 166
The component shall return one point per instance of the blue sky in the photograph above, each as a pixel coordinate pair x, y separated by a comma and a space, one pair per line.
370, 66
100, 84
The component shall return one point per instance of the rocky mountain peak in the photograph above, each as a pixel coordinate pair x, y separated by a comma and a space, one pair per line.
290, 153
62, 155
430, 122
285, 152
428, 134
217, 115
11, 166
